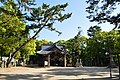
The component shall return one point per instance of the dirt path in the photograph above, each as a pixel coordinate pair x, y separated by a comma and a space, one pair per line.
57, 73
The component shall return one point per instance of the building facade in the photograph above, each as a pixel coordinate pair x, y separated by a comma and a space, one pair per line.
52, 55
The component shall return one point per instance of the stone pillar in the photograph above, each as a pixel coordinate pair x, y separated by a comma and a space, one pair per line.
48, 60
14, 62
2, 64
64, 60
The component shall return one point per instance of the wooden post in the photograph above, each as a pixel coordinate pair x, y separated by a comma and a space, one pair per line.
64, 60
111, 58
48, 60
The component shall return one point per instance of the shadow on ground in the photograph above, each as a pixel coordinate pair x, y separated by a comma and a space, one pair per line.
20, 77
58, 73
92, 79
87, 71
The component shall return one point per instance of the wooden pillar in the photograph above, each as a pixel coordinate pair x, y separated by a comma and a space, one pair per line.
64, 60
48, 60
111, 59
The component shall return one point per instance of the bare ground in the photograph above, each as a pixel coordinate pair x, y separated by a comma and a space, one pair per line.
58, 73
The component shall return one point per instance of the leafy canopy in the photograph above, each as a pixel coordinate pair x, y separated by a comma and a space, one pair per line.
102, 11
10, 29
46, 16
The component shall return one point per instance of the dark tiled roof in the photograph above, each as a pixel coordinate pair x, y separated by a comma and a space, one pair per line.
47, 49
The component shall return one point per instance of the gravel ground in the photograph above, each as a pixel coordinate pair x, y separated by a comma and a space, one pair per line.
58, 73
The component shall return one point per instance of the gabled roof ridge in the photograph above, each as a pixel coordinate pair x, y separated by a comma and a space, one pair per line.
51, 45
48, 50
56, 45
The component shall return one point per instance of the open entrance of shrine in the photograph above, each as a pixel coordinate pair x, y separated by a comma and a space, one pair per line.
56, 59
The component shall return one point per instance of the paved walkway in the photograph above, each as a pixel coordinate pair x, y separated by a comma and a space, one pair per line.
57, 73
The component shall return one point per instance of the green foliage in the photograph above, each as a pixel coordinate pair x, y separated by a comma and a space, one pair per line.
46, 16
62, 42
76, 47
22, 4
103, 11
99, 44
40, 42
92, 30
27, 50
10, 30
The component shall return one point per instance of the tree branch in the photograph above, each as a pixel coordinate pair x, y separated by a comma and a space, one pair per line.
14, 53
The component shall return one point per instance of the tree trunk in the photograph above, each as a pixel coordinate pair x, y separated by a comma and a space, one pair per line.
1, 54
14, 53
41, 27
